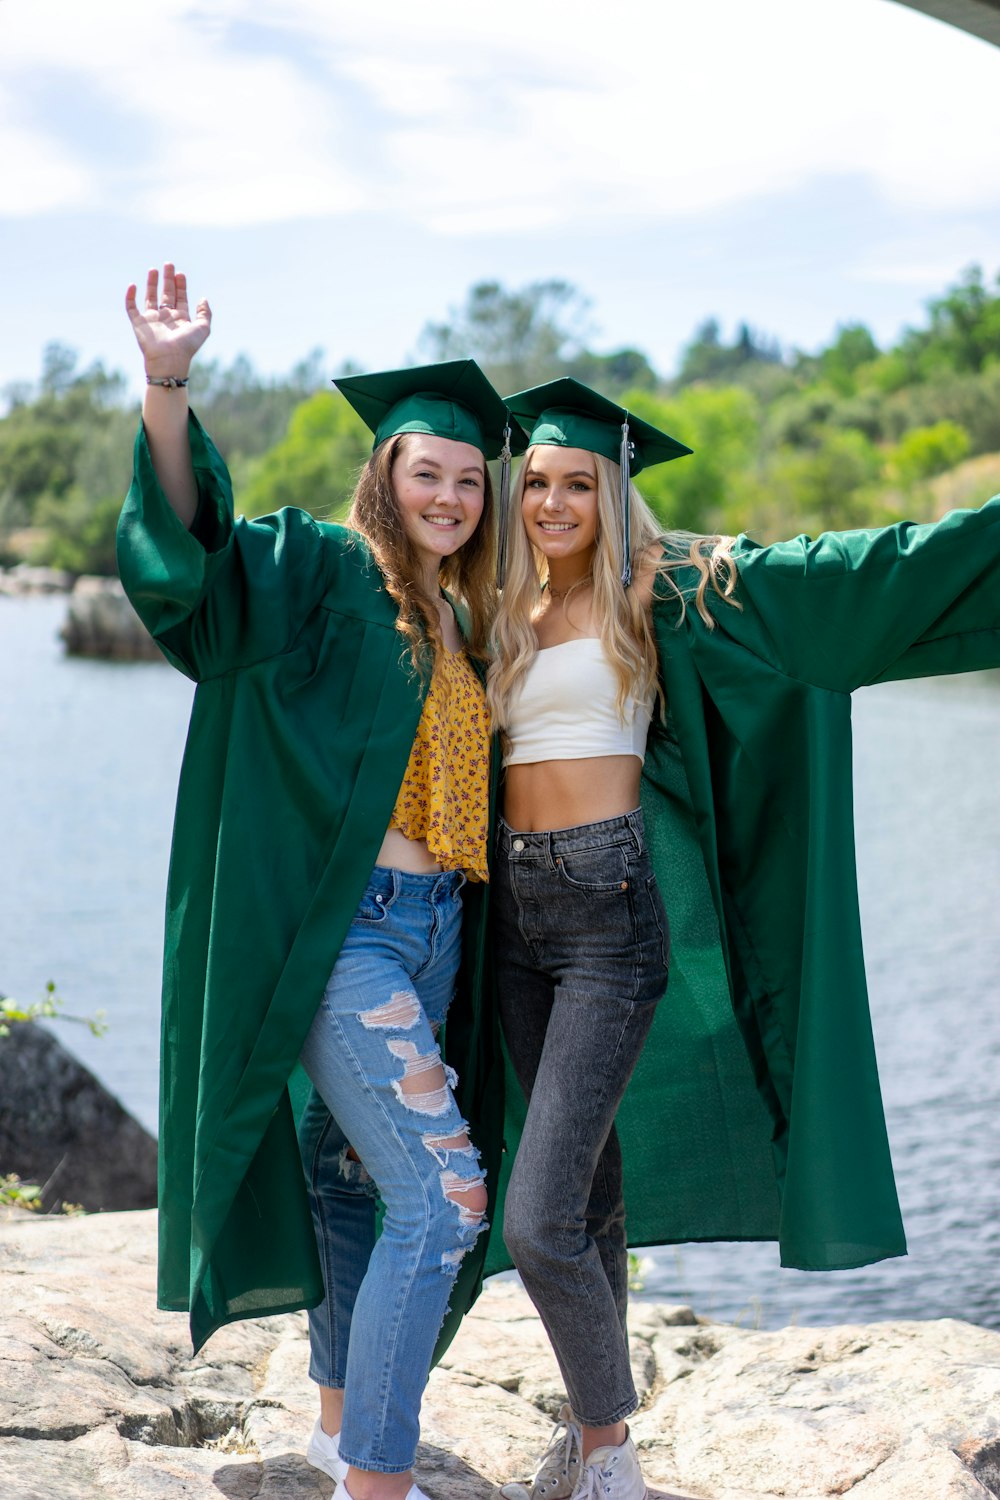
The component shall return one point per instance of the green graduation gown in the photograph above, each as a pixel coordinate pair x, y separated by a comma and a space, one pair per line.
755, 1111
302, 725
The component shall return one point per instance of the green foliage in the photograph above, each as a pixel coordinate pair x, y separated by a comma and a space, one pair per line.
722, 426
314, 465
828, 485
78, 532
928, 450
637, 1268
78, 526
13, 1192
245, 413
17, 1194
520, 338
964, 331
853, 348
849, 435
971, 401
708, 358
625, 370
536, 333
49, 1007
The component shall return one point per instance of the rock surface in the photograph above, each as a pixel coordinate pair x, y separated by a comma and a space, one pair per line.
100, 1398
25, 579
101, 622
60, 1128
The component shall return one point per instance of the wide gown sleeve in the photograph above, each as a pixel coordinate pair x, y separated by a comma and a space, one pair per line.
226, 593
857, 607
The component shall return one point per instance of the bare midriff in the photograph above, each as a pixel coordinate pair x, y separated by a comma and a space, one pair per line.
549, 794
412, 855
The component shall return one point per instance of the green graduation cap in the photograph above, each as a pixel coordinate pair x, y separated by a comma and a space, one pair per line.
570, 415
452, 400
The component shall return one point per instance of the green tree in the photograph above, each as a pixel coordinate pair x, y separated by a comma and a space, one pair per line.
852, 348
925, 451
247, 413
708, 358
315, 465
520, 337
721, 424
615, 373
830, 486
964, 331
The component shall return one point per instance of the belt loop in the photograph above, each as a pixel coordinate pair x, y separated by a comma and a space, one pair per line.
549, 856
631, 818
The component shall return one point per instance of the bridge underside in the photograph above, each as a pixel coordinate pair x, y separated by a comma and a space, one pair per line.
980, 17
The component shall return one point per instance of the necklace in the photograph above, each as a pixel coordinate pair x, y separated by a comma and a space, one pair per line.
561, 593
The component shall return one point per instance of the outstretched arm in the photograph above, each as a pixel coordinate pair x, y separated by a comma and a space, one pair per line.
169, 339
856, 607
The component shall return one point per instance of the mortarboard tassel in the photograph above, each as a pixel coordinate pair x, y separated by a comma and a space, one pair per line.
626, 480
503, 508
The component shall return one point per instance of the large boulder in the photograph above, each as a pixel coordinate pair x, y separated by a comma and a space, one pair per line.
101, 1398
100, 621
24, 579
60, 1128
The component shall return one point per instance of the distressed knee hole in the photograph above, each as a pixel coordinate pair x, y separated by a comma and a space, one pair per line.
401, 1010
426, 1083
448, 1143
468, 1195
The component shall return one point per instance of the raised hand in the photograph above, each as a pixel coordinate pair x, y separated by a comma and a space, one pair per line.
165, 331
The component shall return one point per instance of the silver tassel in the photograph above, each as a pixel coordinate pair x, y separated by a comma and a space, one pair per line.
503, 508
626, 480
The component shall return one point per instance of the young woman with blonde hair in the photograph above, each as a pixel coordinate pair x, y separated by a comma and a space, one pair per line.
332, 815
674, 713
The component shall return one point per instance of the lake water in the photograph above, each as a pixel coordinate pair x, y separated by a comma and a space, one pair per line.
89, 756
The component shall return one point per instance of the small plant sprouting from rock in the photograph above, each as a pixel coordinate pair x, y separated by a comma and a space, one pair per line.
49, 1007
17, 1194
13, 1192
637, 1268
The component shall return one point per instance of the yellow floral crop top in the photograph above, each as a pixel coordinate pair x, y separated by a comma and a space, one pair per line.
444, 797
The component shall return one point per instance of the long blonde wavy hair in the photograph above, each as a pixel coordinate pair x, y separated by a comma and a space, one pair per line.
623, 623
469, 573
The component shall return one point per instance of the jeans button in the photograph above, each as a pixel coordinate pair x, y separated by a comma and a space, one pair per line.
517, 845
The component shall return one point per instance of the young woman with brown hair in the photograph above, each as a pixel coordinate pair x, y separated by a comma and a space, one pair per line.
332, 814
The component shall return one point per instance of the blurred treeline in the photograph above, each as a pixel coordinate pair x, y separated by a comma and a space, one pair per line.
853, 435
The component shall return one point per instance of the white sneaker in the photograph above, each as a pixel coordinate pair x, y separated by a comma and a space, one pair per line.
323, 1453
612, 1474
343, 1493
559, 1469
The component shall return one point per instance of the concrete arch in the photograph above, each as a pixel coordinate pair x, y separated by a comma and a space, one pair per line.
979, 17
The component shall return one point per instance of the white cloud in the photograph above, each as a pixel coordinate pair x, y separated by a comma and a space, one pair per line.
464, 120
232, 139
38, 174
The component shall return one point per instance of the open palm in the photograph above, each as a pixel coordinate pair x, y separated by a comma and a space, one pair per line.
167, 334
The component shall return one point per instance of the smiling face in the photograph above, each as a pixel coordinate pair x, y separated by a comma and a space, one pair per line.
559, 502
440, 488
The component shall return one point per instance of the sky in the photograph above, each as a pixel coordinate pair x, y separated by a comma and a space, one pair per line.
336, 176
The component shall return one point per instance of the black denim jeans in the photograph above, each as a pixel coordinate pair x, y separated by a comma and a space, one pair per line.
582, 950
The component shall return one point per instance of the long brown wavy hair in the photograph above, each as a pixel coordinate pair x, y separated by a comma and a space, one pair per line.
469, 574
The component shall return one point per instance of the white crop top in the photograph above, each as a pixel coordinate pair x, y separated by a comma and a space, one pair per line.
567, 708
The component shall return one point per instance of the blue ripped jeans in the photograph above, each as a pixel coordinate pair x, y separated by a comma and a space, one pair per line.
381, 1095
